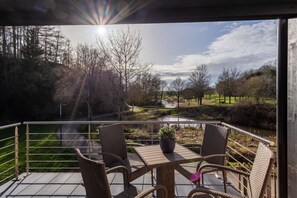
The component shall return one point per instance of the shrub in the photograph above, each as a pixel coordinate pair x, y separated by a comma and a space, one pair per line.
251, 113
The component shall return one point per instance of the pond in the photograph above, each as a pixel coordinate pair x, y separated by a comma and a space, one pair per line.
180, 119
257, 131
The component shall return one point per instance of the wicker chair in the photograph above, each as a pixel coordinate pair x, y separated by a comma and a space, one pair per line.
257, 179
213, 150
115, 152
96, 184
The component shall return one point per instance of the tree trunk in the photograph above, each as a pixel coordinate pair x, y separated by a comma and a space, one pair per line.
229, 99
177, 100
14, 41
3, 40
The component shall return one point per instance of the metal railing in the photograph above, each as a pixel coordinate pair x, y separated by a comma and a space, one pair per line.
242, 147
57, 152
52, 149
9, 149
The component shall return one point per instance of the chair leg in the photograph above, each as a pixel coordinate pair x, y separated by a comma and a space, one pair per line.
200, 181
224, 180
152, 178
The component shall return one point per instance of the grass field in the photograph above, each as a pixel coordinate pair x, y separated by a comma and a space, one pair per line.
219, 101
45, 138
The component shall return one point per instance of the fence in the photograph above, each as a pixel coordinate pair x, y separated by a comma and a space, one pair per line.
9, 148
52, 149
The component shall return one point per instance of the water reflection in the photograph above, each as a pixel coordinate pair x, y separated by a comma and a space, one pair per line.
257, 131
182, 119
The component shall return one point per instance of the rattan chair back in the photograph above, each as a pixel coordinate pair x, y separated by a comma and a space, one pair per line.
113, 141
94, 177
260, 171
215, 142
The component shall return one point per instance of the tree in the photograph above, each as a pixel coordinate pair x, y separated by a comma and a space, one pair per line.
122, 50
199, 81
37, 78
255, 87
188, 94
92, 62
145, 90
163, 85
32, 51
177, 86
227, 83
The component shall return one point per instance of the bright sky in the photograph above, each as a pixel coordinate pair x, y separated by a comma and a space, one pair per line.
175, 49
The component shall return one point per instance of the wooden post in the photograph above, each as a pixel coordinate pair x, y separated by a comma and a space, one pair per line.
27, 149
16, 149
165, 177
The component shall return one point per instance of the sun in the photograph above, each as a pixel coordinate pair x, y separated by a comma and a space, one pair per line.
102, 30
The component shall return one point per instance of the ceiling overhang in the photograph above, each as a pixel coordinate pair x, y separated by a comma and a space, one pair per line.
83, 12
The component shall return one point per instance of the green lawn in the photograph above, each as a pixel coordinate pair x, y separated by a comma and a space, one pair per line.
215, 100
46, 137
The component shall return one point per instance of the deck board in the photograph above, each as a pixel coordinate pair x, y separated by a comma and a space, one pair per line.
61, 178
49, 189
66, 185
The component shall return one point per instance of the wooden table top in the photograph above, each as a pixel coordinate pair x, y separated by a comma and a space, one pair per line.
152, 156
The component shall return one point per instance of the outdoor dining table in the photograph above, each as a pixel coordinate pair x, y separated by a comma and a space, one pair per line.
153, 157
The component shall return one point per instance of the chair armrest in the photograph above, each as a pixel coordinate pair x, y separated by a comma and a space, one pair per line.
220, 167
192, 145
215, 155
114, 156
123, 170
134, 144
209, 157
210, 192
152, 189
117, 169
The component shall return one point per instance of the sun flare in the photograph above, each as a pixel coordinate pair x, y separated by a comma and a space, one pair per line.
102, 30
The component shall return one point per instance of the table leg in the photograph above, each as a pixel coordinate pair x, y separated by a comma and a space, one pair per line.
165, 177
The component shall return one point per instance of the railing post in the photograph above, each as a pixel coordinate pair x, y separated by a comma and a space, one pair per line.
16, 148
27, 149
89, 140
268, 187
152, 131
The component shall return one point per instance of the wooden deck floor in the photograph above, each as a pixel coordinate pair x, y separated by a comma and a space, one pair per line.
64, 185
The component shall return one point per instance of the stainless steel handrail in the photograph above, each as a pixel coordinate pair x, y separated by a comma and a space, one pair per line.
121, 122
12, 148
10, 126
149, 130
264, 140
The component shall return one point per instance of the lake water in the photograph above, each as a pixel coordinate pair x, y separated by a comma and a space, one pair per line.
257, 131
181, 119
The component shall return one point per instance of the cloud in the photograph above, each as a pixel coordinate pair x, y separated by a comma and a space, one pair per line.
244, 46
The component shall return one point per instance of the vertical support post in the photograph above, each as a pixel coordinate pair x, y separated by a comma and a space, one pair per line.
27, 149
16, 151
245, 185
268, 187
152, 131
282, 105
89, 140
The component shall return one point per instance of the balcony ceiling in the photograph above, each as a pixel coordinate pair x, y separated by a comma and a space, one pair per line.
79, 12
